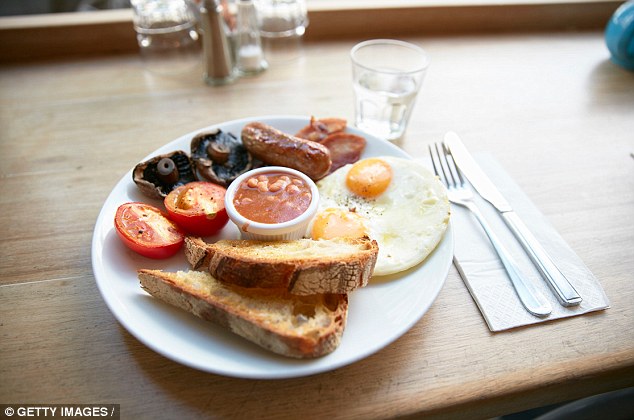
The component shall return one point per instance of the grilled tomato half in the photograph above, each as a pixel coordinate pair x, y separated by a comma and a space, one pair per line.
198, 207
147, 230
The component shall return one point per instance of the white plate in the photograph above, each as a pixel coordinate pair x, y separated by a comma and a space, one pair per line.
379, 313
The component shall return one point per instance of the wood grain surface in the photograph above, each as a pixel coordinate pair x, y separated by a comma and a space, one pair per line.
550, 107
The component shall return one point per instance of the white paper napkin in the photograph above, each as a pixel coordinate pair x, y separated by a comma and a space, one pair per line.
484, 274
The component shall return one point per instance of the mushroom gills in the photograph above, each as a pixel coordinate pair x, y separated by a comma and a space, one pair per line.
159, 175
220, 157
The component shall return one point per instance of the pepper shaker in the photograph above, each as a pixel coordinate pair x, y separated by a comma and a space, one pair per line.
249, 54
218, 65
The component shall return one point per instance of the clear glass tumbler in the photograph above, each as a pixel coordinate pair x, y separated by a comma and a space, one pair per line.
387, 75
282, 18
167, 35
282, 24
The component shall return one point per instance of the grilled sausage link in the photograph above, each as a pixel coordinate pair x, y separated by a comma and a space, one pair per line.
275, 147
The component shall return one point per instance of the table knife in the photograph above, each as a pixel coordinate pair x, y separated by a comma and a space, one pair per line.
565, 292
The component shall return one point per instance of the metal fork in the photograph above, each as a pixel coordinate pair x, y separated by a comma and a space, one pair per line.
461, 194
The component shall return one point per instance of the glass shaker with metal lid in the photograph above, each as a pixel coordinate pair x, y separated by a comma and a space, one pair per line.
249, 53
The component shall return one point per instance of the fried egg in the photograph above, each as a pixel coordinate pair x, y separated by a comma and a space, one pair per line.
395, 201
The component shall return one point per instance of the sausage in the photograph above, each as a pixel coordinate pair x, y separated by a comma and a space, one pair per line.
275, 147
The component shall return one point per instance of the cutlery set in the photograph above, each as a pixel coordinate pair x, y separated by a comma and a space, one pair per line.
452, 163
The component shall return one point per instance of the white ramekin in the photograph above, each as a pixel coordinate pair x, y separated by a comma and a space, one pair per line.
292, 229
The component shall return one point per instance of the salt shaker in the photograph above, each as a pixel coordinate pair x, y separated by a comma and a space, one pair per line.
218, 65
249, 54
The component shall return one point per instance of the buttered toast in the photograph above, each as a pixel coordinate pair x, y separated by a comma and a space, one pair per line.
290, 325
301, 267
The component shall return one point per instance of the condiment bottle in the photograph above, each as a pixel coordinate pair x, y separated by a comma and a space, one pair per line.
249, 55
218, 65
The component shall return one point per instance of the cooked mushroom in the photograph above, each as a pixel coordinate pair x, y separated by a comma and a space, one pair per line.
220, 157
161, 174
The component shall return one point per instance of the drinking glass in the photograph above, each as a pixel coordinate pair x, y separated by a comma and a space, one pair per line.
166, 34
387, 75
282, 24
281, 18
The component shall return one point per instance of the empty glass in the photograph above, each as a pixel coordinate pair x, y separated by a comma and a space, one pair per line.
166, 34
282, 23
282, 18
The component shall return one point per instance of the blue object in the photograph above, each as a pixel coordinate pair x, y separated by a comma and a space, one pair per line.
619, 35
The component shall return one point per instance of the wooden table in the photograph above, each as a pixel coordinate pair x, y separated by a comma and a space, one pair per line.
551, 109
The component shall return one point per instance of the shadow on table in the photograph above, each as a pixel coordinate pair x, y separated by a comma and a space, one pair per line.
615, 405
606, 85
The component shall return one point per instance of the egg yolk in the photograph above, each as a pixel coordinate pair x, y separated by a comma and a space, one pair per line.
369, 178
337, 223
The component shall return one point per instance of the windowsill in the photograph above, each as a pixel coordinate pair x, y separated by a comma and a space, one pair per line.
107, 32
331, 5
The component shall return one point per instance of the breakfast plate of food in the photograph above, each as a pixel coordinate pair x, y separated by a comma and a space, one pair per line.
366, 266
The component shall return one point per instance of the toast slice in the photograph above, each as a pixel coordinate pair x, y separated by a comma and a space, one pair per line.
293, 326
301, 267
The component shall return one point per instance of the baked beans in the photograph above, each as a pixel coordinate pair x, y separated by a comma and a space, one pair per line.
272, 197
